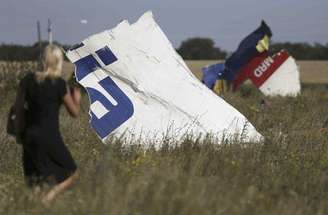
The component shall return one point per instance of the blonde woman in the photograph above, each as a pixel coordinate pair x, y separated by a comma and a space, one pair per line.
46, 160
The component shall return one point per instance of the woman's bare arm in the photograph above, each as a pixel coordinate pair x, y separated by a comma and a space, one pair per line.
72, 101
19, 110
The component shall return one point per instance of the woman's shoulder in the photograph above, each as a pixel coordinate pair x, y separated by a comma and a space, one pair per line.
29, 74
28, 77
60, 81
57, 82
61, 86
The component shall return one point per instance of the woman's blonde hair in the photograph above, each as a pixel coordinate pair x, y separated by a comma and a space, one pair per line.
52, 63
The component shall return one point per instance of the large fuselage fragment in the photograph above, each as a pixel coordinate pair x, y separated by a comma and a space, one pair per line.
276, 75
140, 87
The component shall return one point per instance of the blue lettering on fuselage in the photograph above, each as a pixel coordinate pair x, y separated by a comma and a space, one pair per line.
117, 113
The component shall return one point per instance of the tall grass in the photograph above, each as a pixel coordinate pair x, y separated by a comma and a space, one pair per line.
12, 72
285, 174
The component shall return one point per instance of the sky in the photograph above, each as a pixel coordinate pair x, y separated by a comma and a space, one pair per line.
224, 21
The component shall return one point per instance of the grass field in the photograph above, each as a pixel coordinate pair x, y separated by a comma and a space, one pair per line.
311, 71
285, 174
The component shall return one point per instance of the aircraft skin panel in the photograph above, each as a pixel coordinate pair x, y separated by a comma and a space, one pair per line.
252, 60
285, 81
148, 92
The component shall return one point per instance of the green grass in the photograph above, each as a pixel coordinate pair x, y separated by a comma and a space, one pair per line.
286, 174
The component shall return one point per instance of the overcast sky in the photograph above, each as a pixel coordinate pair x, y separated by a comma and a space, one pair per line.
225, 21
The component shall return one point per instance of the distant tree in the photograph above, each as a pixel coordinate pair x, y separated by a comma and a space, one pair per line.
200, 48
193, 49
13, 52
303, 51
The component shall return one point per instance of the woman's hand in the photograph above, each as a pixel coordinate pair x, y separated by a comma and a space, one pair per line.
72, 101
76, 94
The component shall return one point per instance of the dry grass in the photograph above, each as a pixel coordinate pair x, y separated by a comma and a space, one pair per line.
311, 71
286, 174
314, 71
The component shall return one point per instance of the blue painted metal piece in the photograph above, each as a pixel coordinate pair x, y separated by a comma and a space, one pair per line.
212, 73
116, 114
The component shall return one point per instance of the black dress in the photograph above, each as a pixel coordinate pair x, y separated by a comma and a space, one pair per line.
45, 157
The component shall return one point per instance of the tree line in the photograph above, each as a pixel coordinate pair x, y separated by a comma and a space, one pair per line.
15, 52
204, 49
190, 49
303, 51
